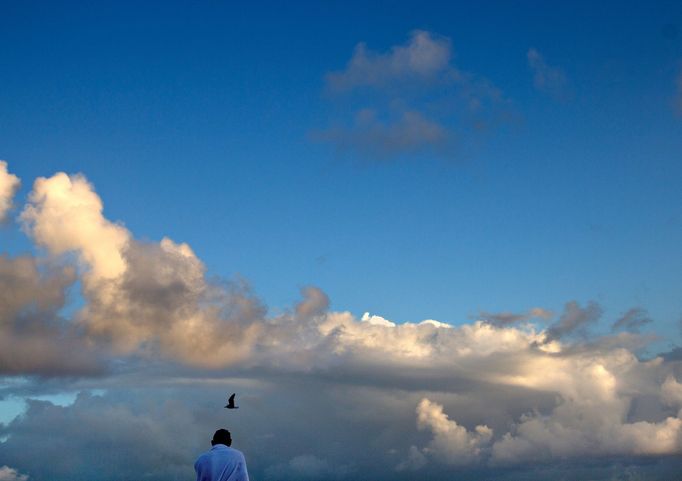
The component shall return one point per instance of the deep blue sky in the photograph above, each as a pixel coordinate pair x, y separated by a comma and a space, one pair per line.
197, 121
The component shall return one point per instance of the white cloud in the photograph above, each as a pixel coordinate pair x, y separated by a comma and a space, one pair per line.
9, 184
451, 443
432, 322
376, 320
64, 214
671, 392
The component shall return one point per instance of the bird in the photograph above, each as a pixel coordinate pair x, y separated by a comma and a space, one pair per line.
230, 403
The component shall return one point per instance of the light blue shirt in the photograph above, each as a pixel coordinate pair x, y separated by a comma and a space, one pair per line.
221, 463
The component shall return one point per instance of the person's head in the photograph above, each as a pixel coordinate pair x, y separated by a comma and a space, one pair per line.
222, 436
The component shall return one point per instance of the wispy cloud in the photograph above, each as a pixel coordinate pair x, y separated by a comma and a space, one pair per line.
411, 99
424, 58
410, 133
632, 320
548, 79
574, 319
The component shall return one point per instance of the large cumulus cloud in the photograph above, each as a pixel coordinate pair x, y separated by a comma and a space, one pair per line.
324, 394
145, 297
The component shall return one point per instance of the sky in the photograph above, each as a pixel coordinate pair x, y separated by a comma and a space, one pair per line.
418, 240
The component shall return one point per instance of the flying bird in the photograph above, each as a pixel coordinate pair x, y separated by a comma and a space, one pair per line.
230, 403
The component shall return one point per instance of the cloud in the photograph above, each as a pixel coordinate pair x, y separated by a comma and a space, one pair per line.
548, 79
308, 466
376, 320
424, 57
317, 386
103, 439
163, 306
414, 461
574, 319
590, 418
150, 298
411, 132
9, 474
508, 318
34, 339
409, 100
9, 184
671, 392
632, 320
64, 214
315, 302
452, 443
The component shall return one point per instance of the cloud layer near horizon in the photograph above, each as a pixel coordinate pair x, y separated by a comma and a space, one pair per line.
165, 343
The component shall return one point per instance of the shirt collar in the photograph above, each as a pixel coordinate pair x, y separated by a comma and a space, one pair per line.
220, 446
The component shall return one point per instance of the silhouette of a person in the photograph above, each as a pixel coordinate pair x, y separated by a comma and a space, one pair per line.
221, 463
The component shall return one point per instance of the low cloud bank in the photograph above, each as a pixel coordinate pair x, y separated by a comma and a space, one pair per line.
321, 387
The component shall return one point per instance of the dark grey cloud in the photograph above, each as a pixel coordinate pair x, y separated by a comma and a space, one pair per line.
304, 426
411, 132
509, 318
675, 354
632, 320
163, 306
101, 439
548, 79
34, 338
424, 58
574, 319
315, 302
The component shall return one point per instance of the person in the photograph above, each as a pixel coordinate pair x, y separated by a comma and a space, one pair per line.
222, 462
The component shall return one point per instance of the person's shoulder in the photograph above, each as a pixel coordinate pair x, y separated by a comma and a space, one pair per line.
202, 457
237, 453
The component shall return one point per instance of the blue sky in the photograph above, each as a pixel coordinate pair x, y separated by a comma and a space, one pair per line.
218, 124
195, 123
